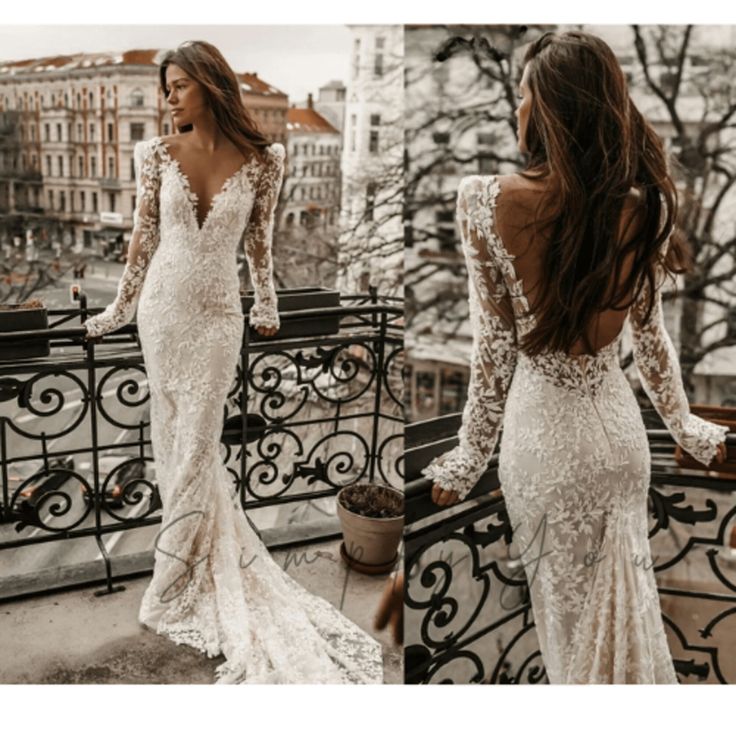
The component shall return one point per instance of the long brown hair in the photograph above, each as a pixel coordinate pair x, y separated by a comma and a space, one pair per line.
585, 135
204, 63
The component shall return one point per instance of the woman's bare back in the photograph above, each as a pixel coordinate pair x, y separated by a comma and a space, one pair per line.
516, 208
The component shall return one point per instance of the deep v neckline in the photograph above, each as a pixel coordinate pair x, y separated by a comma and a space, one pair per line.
192, 195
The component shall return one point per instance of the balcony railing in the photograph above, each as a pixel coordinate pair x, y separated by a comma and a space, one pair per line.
468, 617
304, 417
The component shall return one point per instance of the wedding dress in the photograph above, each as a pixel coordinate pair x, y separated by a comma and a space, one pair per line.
215, 586
574, 463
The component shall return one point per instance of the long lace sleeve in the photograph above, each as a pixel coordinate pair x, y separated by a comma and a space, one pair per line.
143, 243
259, 239
659, 369
494, 351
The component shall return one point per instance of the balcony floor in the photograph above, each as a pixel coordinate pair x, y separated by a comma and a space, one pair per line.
77, 637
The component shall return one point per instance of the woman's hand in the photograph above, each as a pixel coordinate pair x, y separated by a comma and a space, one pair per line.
443, 497
266, 331
721, 453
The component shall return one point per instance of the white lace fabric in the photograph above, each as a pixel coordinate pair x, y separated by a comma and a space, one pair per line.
574, 463
215, 586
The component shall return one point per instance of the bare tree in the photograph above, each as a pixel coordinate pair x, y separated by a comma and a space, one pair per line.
698, 101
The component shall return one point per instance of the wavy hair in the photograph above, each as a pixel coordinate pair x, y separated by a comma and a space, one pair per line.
586, 136
204, 63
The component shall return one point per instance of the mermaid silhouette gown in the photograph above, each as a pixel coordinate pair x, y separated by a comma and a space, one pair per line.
574, 463
215, 586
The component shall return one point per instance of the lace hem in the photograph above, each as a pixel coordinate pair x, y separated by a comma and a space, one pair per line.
264, 315
700, 438
455, 471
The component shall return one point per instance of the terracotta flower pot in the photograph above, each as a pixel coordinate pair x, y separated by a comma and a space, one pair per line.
372, 519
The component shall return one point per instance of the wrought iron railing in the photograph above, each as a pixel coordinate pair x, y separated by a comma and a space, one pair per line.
468, 617
304, 417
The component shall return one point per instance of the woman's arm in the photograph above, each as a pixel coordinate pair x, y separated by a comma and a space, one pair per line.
659, 369
494, 352
143, 243
259, 240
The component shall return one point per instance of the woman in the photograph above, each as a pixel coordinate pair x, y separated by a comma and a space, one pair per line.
558, 257
215, 586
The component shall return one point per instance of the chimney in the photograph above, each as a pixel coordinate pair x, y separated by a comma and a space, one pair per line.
310, 104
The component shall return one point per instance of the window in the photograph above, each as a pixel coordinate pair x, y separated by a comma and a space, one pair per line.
441, 138
46, 132
109, 131
111, 196
93, 167
132, 169
49, 172
62, 203
60, 159
33, 132
132, 203
51, 199
378, 58
137, 98
80, 137
370, 200
373, 135
446, 231
71, 165
373, 142
69, 131
137, 131
71, 201
91, 99
91, 131
94, 202
356, 57
487, 139
82, 201
80, 161
58, 131
485, 163
111, 168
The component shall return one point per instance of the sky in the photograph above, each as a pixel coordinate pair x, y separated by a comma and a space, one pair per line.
295, 59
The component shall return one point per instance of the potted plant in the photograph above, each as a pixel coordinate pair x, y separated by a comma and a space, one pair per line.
372, 520
29, 315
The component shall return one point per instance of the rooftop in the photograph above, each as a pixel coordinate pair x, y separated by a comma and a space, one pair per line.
306, 120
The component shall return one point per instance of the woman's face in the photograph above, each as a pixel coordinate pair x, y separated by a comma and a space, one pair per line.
185, 97
522, 110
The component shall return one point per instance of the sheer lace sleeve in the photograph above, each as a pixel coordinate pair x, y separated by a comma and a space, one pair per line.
143, 242
494, 351
259, 238
659, 369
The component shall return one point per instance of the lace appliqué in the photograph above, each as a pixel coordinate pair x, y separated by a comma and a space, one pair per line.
494, 350
574, 465
143, 244
259, 238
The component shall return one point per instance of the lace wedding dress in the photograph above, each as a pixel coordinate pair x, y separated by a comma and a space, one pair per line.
215, 586
574, 463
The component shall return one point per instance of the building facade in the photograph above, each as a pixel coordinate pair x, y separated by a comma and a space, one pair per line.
371, 231
312, 190
69, 126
